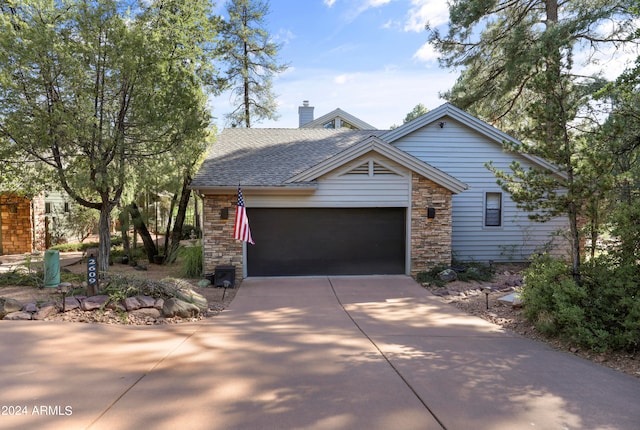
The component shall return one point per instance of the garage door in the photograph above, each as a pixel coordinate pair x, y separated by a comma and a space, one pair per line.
294, 242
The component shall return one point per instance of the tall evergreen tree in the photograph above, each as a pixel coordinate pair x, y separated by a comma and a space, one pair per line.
517, 67
251, 56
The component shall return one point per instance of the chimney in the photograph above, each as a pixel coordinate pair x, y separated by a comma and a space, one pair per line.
305, 113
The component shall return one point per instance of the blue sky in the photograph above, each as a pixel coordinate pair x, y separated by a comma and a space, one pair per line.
363, 56
367, 57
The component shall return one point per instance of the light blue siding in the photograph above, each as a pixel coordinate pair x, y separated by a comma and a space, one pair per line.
339, 190
462, 152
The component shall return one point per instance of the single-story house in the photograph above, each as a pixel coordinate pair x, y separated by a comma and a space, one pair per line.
336, 196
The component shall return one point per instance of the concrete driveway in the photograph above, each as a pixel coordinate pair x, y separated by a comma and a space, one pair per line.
306, 353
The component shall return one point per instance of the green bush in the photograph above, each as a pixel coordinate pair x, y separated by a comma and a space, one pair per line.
74, 247
431, 276
601, 313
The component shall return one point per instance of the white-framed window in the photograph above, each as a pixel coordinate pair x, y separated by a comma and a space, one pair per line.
493, 209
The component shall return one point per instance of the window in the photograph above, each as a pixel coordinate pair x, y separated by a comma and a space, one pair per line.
493, 210
345, 124
47, 207
330, 124
66, 207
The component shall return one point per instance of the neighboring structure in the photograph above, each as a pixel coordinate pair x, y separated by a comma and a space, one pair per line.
339, 197
28, 225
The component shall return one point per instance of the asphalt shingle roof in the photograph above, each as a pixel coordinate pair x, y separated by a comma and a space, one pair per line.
270, 156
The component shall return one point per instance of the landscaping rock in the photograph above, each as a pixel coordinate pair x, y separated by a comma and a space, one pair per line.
71, 303
182, 290
131, 304
146, 313
30, 307
45, 311
94, 302
448, 275
146, 301
440, 293
20, 315
178, 308
159, 304
9, 305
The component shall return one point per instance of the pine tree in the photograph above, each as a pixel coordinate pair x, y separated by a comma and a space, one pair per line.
252, 62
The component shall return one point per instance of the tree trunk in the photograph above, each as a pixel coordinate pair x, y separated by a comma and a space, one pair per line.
167, 233
196, 214
245, 66
180, 216
104, 235
149, 245
124, 231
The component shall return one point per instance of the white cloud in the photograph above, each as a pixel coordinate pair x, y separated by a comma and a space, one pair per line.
426, 53
345, 78
357, 7
284, 36
329, 3
433, 12
375, 3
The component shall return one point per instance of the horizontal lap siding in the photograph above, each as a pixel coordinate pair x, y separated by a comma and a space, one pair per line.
462, 153
344, 191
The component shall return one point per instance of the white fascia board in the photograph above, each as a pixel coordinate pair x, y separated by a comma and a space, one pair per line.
294, 189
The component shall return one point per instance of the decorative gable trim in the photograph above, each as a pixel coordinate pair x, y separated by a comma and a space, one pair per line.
374, 144
343, 116
371, 168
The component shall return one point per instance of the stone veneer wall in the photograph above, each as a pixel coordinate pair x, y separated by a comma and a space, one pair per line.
15, 224
430, 237
219, 246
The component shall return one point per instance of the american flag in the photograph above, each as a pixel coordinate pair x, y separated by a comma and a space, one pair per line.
241, 229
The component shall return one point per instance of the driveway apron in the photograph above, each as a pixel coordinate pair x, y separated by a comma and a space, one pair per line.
307, 353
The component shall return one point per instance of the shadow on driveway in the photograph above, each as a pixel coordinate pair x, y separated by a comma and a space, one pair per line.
308, 353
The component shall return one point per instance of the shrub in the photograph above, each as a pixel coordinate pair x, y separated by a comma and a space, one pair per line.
601, 313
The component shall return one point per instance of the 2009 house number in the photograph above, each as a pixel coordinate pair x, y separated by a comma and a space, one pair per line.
14, 410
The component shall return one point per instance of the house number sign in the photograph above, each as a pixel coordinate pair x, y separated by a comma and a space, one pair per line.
92, 271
